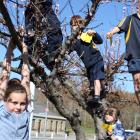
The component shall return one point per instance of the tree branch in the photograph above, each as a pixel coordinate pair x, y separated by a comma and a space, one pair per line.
10, 25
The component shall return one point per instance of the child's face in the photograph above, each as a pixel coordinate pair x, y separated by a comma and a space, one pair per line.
74, 28
109, 118
76, 24
16, 102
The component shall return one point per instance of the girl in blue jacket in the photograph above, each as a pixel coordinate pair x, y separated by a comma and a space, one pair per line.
14, 95
112, 125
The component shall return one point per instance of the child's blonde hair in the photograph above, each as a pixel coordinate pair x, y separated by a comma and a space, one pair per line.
76, 20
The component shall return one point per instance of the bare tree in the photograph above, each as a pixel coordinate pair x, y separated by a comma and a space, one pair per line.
50, 84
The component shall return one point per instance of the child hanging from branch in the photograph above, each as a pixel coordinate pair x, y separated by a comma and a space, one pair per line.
14, 94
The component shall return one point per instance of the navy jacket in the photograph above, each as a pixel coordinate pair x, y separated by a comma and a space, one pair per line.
88, 54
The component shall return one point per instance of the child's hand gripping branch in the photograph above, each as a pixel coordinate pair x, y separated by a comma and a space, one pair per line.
111, 33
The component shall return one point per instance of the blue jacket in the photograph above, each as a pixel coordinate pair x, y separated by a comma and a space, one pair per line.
88, 54
13, 126
119, 130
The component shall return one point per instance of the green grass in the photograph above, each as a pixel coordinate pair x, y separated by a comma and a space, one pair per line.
89, 131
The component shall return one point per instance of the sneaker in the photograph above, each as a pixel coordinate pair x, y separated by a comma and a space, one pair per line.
94, 102
96, 99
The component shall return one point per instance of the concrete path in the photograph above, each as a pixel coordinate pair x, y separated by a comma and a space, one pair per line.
59, 137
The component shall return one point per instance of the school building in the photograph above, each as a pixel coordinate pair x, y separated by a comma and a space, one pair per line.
44, 123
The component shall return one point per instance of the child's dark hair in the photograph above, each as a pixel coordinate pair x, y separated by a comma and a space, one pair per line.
76, 20
112, 112
14, 85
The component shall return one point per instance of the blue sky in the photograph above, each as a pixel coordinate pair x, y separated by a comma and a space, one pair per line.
109, 14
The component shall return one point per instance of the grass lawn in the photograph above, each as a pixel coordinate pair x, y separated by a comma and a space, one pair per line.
88, 131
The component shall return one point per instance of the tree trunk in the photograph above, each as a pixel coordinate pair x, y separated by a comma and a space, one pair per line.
76, 126
72, 116
80, 135
100, 132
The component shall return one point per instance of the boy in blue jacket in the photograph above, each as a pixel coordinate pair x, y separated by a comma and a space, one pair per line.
85, 47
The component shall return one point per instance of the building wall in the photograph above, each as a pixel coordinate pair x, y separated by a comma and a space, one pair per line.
43, 124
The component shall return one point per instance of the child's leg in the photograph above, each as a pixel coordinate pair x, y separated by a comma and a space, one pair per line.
29, 27
95, 74
97, 87
134, 69
136, 79
97, 91
6, 69
54, 33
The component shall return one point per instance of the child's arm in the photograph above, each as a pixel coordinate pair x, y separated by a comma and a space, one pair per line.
96, 37
25, 81
114, 31
6, 69
121, 27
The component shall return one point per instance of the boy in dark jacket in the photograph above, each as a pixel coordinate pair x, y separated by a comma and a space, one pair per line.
90, 55
41, 19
